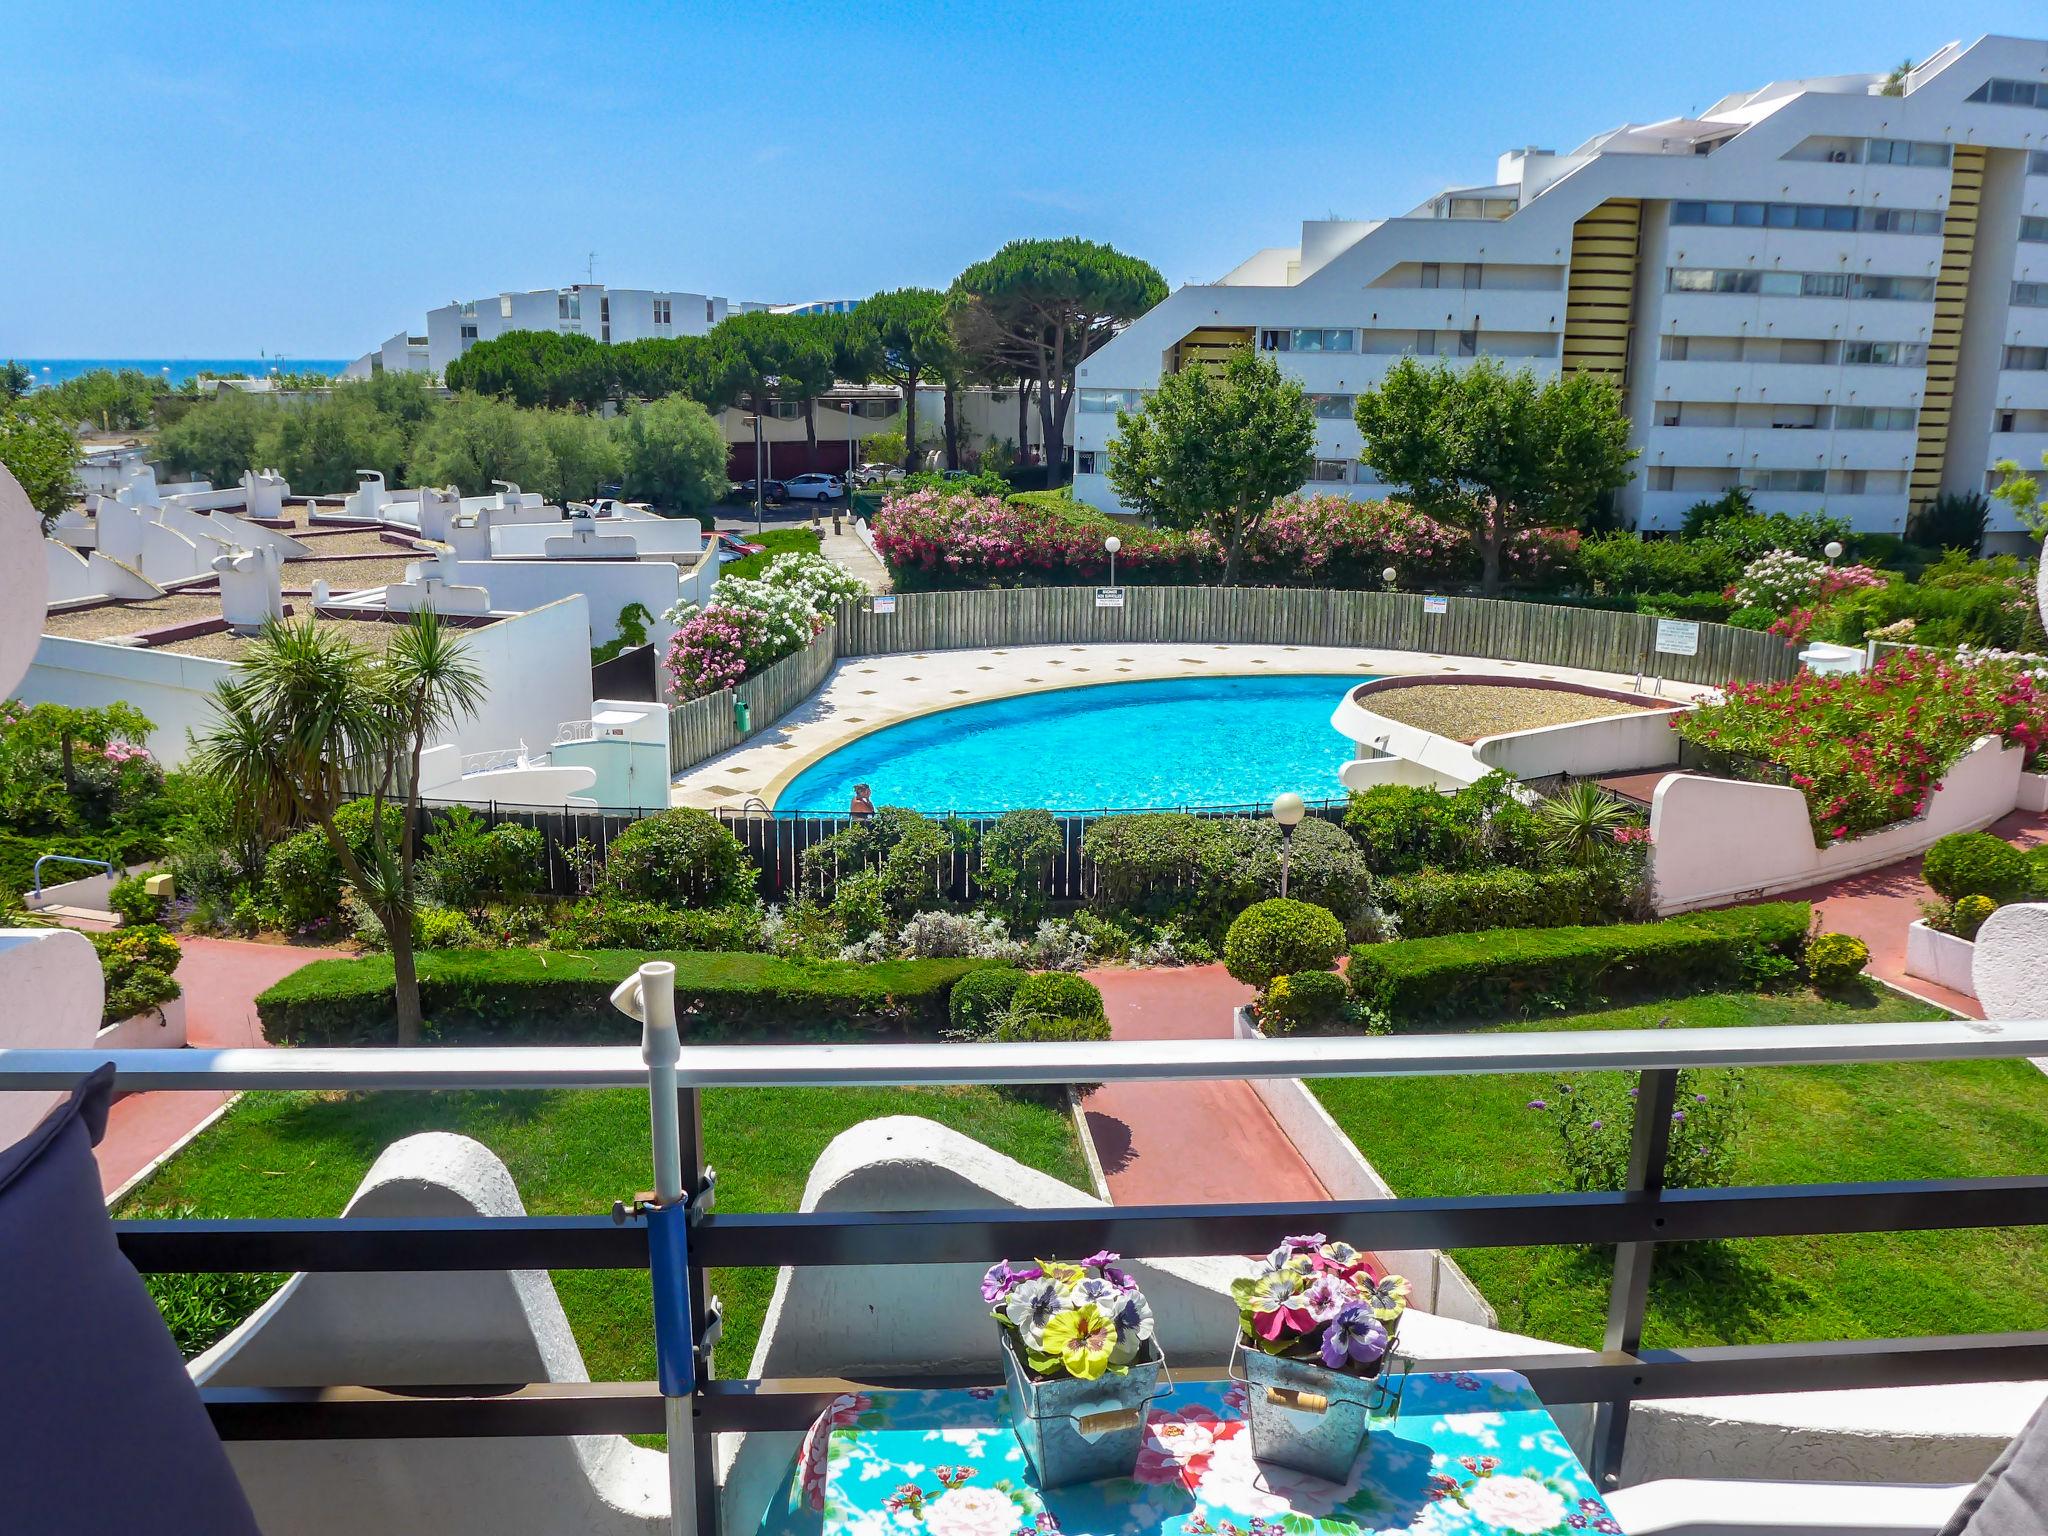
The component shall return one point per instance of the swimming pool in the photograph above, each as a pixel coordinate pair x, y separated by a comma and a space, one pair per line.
1192, 741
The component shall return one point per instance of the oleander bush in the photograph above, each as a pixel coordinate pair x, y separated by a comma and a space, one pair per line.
1977, 864
1279, 938
1514, 971
1403, 829
470, 865
553, 997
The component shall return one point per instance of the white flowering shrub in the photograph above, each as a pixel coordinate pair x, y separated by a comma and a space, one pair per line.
1059, 946
792, 622
1779, 581
959, 936
821, 584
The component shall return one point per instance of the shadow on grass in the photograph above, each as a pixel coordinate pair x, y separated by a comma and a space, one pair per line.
1700, 1293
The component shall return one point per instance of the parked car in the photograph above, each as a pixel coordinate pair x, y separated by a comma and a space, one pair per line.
815, 487
732, 547
876, 474
772, 491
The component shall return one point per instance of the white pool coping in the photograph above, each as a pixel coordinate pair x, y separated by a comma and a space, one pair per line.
866, 693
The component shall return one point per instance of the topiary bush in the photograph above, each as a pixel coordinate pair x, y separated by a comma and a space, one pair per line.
1969, 915
1055, 995
681, 856
1834, 960
1308, 1002
1280, 937
1976, 864
1052, 1031
1201, 871
981, 998
136, 965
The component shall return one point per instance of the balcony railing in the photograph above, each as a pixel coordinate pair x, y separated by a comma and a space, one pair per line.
686, 1237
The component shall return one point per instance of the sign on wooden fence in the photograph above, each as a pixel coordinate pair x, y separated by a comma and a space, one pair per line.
1109, 597
1678, 637
1435, 604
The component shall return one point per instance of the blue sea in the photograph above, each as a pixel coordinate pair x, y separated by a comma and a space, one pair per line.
176, 370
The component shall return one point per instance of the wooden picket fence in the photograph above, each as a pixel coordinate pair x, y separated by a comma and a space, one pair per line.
703, 728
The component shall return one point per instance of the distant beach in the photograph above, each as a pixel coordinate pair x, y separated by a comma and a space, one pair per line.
176, 370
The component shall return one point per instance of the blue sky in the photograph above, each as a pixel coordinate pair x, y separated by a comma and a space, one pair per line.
209, 179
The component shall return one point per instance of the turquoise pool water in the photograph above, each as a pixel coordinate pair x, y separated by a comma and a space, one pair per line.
1195, 741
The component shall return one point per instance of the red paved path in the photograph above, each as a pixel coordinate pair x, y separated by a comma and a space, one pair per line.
221, 978
1879, 906
1187, 1142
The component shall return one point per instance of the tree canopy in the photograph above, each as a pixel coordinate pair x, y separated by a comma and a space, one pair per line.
907, 340
536, 368
1215, 451
673, 454
1496, 452
475, 439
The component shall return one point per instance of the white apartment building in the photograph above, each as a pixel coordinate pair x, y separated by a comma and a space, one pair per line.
586, 309
1827, 294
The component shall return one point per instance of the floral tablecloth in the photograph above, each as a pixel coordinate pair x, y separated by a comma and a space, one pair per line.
1465, 1453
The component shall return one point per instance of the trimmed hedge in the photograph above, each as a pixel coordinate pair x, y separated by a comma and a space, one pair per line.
1432, 903
981, 998
555, 997
1477, 975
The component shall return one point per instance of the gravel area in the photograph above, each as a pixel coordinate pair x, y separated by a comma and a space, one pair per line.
115, 620
225, 645
362, 541
1468, 711
347, 575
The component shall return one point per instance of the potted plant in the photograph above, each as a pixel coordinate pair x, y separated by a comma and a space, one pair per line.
1081, 1364
1316, 1326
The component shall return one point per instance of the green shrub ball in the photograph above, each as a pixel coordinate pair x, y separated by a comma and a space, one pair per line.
1280, 937
1836, 959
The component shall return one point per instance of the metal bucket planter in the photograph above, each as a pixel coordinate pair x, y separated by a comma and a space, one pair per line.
1308, 1418
1077, 1431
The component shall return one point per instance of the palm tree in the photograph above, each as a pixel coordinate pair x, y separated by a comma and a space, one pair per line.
310, 714
1579, 821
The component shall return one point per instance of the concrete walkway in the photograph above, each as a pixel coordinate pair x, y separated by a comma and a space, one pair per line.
1187, 1143
846, 551
1879, 906
221, 978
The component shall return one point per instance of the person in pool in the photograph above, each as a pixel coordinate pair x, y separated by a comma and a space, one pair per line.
863, 802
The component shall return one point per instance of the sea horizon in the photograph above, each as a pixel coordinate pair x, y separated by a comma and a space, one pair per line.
175, 370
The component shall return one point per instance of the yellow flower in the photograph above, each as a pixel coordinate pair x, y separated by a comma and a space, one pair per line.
1081, 1339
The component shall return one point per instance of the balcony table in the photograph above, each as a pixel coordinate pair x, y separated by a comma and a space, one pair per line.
1462, 1453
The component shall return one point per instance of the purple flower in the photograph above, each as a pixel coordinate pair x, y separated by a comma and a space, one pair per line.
1004, 1277
1699, 1098
1326, 1297
1539, 1104
1308, 1243
1354, 1337
1678, 1117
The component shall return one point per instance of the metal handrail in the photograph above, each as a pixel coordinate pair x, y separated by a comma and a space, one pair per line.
36, 874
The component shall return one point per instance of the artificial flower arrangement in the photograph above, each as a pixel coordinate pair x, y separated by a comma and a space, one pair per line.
1316, 1326
1080, 1361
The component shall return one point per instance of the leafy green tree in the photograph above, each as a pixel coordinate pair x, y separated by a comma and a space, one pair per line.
655, 366
108, 399
216, 440
305, 713
673, 453
1214, 451
536, 368
15, 380
475, 439
2022, 492
319, 446
42, 454
1496, 452
1047, 305
586, 454
905, 338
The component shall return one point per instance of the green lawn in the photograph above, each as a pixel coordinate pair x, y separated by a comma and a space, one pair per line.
773, 542
1476, 1135
570, 1152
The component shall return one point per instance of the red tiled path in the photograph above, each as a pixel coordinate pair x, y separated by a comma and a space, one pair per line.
221, 978
1193, 1143
1879, 906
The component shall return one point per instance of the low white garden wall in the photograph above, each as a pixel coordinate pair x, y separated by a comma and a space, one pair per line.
1438, 1285
158, 1027
1720, 840
1941, 958
1585, 748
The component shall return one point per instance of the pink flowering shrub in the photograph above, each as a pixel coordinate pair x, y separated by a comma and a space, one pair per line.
718, 647
1867, 750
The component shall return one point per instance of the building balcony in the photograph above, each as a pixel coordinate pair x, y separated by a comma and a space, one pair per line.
1802, 383
1741, 448
1461, 309
1817, 319
2023, 389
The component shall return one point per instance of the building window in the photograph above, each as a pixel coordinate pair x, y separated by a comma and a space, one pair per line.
1468, 343
2034, 227
1331, 407
1671, 349
1812, 285
1905, 152
469, 311
784, 410
2030, 295
469, 333
2007, 420
1431, 275
2025, 359
1331, 471
1475, 274
1303, 339
1878, 285
1846, 482
663, 313
1660, 477
708, 316
1788, 480
569, 306
1874, 418
1084, 462
1888, 354
504, 306
1105, 402
1425, 343
2011, 93
875, 410
1670, 413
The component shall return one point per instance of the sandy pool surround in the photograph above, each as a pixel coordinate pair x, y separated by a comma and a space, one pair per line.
864, 694
1495, 700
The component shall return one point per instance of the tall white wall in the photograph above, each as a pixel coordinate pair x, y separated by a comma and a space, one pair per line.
536, 667
175, 691
605, 585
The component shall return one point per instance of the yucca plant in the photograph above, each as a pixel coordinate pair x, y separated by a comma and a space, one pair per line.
1579, 821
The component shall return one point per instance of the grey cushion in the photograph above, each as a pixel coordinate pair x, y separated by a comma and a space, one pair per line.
101, 1430
2011, 1498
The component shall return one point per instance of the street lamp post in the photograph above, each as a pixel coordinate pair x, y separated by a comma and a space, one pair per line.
1390, 576
1833, 550
1288, 810
1112, 544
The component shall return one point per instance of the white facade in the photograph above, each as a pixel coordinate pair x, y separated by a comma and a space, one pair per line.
1771, 309
582, 309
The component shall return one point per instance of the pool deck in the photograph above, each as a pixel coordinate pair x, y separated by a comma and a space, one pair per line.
865, 693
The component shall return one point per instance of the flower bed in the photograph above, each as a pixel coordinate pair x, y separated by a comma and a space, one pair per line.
1868, 750
750, 625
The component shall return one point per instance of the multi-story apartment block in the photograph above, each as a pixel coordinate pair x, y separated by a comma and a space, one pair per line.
585, 309
1821, 291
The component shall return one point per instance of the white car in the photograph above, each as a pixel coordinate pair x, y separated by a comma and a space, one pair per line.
814, 488
876, 474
